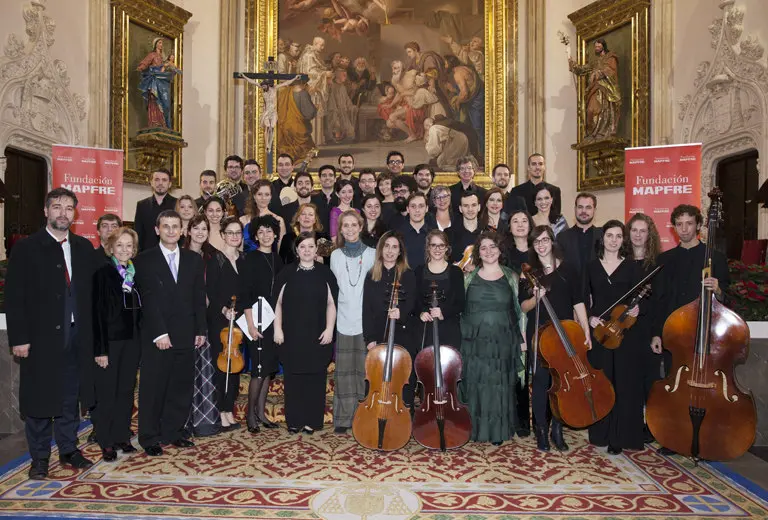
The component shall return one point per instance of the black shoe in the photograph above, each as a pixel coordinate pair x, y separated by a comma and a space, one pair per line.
612, 450
557, 436
39, 469
254, 429
269, 424
308, 430
542, 442
293, 431
184, 443
497, 443
153, 451
108, 454
92, 436
125, 447
523, 432
666, 451
340, 430
230, 428
75, 460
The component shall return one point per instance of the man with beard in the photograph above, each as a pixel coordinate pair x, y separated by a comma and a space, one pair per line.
302, 183
233, 165
326, 198
346, 165
362, 79
403, 186
578, 243
49, 311
527, 190
424, 175
470, 54
465, 167
284, 180
207, 187
148, 209
367, 181
501, 176
251, 173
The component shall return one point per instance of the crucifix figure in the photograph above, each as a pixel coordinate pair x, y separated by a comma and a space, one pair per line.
270, 87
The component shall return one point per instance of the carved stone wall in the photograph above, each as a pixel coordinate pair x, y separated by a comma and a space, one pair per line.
728, 112
37, 108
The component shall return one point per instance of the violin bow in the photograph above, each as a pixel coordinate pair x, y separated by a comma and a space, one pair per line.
632, 290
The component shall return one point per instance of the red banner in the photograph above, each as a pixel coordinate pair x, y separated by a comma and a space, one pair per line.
658, 178
95, 175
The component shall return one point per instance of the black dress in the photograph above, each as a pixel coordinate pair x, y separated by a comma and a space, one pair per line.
450, 284
305, 361
563, 292
623, 426
259, 278
221, 283
514, 258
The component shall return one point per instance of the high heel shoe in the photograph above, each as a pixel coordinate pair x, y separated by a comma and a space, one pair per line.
254, 429
268, 424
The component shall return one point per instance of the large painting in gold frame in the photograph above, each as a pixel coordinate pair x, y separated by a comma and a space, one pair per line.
499, 34
624, 25
137, 26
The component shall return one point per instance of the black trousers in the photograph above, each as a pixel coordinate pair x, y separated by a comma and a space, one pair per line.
165, 393
542, 381
115, 386
305, 399
226, 394
40, 430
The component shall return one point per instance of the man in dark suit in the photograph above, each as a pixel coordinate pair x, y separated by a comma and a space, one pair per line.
207, 187
49, 311
527, 190
284, 180
106, 224
148, 209
251, 173
233, 165
465, 168
578, 242
501, 175
326, 198
173, 325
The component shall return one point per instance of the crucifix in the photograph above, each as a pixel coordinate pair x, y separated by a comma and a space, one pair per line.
269, 87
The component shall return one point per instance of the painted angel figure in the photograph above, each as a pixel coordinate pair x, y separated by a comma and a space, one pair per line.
268, 119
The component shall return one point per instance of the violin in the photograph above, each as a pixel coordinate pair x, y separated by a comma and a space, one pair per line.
382, 421
611, 332
230, 360
580, 395
442, 421
699, 410
466, 257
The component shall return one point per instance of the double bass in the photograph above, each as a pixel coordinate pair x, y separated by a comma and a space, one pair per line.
580, 395
382, 421
442, 421
699, 411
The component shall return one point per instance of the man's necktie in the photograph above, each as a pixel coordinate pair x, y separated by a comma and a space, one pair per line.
66, 271
172, 265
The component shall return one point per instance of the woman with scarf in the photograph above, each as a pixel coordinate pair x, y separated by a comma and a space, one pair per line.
117, 349
350, 263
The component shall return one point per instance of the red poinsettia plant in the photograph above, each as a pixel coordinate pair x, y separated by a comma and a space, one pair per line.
748, 290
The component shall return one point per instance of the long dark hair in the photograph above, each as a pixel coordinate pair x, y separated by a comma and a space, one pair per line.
625, 250
533, 257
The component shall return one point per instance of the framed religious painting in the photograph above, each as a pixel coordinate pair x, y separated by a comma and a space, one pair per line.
146, 94
429, 79
612, 70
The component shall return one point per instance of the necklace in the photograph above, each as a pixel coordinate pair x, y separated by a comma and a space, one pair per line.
306, 268
359, 270
271, 264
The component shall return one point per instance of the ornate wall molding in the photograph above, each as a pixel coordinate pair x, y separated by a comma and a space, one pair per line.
662, 67
37, 107
728, 112
98, 72
535, 46
229, 38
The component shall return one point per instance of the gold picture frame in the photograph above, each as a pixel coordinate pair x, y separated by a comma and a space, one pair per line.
137, 25
625, 26
500, 58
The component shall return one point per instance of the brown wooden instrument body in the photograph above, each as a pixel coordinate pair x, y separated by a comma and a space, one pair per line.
230, 359
382, 421
440, 403
611, 333
580, 395
727, 428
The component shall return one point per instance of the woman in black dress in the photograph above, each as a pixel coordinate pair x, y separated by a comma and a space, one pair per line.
117, 310
490, 216
258, 280
391, 262
222, 282
608, 277
305, 319
373, 226
562, 286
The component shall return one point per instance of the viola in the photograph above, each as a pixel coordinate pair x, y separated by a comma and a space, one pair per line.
699, 410
580, 394
442, 421
611, 333
382, 421
230, 360
466, 257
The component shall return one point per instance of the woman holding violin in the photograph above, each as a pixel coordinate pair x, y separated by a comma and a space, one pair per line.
491, 344
305, 318
608, 278
222, 282
562, 286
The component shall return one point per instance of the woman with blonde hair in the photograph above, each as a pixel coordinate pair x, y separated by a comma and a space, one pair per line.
305, 220
350, 263
186, 207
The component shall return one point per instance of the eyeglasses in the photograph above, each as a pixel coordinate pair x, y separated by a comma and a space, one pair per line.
233, 233
542, 241
395, 162
439, 247
401, 191
442, 197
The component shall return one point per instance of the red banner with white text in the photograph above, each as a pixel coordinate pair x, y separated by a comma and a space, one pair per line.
658, 178
95, 175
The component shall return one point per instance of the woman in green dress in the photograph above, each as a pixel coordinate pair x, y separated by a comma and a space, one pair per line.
491, 344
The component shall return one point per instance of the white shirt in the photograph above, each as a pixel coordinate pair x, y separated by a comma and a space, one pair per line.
166, 252
67, 248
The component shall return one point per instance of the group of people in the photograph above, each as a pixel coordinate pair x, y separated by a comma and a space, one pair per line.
158, 296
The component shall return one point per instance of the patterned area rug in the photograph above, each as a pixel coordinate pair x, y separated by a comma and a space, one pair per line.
277, 475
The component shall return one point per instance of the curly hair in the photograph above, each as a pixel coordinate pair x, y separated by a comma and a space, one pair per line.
653, 244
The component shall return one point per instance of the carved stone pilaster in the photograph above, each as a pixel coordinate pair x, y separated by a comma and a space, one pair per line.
662, 66
535, 40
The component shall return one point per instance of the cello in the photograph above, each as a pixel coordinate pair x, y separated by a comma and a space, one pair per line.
699, 411
580, 395
382, 421
442, 421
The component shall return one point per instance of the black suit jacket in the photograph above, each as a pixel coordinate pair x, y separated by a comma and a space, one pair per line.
458, 189
176, 308
527, 191
569, 244
35, 294
147, 211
